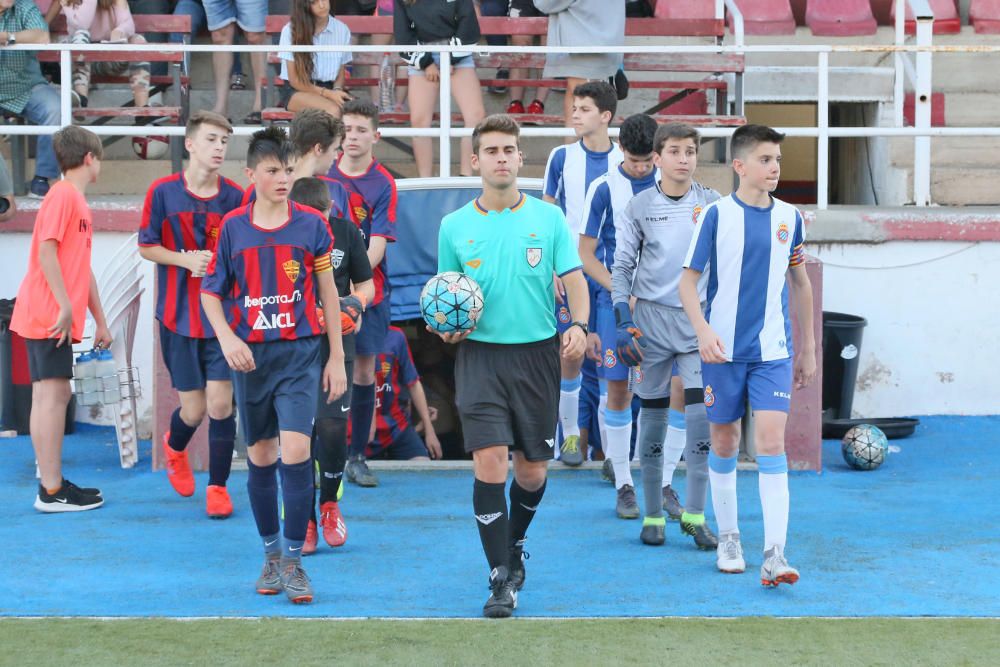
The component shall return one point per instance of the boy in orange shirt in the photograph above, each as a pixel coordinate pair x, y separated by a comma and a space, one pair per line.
51, 309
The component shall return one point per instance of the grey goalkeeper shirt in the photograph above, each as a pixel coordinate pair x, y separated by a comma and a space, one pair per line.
652, 239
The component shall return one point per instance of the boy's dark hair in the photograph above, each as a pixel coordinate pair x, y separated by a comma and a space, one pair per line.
311, 192
636, 135
271, 142
603, 94
359, 107
314, 126
72, 144
498, 122
674, 131
205, 117
746, 138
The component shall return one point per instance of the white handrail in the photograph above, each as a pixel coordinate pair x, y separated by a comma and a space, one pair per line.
737, 15
921, 133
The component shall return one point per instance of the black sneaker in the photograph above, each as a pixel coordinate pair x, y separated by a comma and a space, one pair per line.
358, 473
626, 506
500, 89
653, 532
69, 498
672, 504
608, 471
503, 599
86, 490
38, 188
703, 536
517, 557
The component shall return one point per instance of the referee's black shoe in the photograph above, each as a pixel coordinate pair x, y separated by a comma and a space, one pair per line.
517, 557
503, 598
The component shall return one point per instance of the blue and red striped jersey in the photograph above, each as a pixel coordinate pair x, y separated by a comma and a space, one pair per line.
178, 220
338, 197
394, 370
372, 207
269, 273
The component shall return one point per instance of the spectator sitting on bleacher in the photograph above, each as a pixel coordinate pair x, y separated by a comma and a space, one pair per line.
199, 23
314, 80
23, 90
108, 21
518, 9
8, 206
425, 22
582, 23
222, 18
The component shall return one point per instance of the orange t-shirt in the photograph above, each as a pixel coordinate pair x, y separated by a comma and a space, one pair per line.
63, 217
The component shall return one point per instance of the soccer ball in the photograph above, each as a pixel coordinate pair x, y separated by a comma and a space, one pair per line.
864, 447
451, 302
151, 148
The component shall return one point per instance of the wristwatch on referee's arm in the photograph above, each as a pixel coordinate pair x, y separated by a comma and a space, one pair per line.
582, 325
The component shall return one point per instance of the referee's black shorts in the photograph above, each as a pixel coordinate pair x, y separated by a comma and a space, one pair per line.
509, 395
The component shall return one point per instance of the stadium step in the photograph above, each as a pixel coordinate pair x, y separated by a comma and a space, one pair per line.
985, 16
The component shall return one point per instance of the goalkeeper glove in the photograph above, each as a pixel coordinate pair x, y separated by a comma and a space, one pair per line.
350, 310
628, 342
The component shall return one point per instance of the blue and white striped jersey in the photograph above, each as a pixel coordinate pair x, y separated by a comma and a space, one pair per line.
570, 171
606, 200
747, 251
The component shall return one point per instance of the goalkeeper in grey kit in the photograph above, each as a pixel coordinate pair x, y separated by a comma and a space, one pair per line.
659, 222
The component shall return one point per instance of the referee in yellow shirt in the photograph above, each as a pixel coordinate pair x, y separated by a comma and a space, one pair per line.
507, 372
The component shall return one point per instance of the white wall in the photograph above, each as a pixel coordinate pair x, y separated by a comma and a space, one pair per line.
932, 335
14, 250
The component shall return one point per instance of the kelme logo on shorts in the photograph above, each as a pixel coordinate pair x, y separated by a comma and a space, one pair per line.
534, 256
709, 396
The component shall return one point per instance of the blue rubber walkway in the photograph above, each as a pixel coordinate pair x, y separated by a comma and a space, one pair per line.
917, 538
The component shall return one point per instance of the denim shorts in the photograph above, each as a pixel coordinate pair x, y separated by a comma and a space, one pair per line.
465, 62
249, 15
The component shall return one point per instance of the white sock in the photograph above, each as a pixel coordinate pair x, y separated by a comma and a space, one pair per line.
616, 447
773, 482
673, 448
569, 406
722, 475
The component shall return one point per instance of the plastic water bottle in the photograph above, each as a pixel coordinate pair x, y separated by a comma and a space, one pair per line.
107, 374
84, 374
387, 85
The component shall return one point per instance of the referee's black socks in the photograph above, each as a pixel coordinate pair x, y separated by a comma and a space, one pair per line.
489, 502
523, 505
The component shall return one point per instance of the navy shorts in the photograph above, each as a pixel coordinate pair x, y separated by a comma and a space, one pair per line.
192, 362
407, 445
280, 394
48, 362
340, 408
727, 386
611, 367
374, 327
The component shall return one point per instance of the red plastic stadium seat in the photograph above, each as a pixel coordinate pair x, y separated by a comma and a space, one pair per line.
765, 17
985, 16
946, 18
840, 18
689, 9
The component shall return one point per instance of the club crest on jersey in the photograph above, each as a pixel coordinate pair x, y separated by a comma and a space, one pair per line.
291, 268
336, 257
360, 214
563, 315
474, 263
386, 368
709, 396
534, 256
609, 358
695, 213
782, 233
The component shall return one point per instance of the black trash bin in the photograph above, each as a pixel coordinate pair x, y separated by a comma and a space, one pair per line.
15, 381
841, 353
